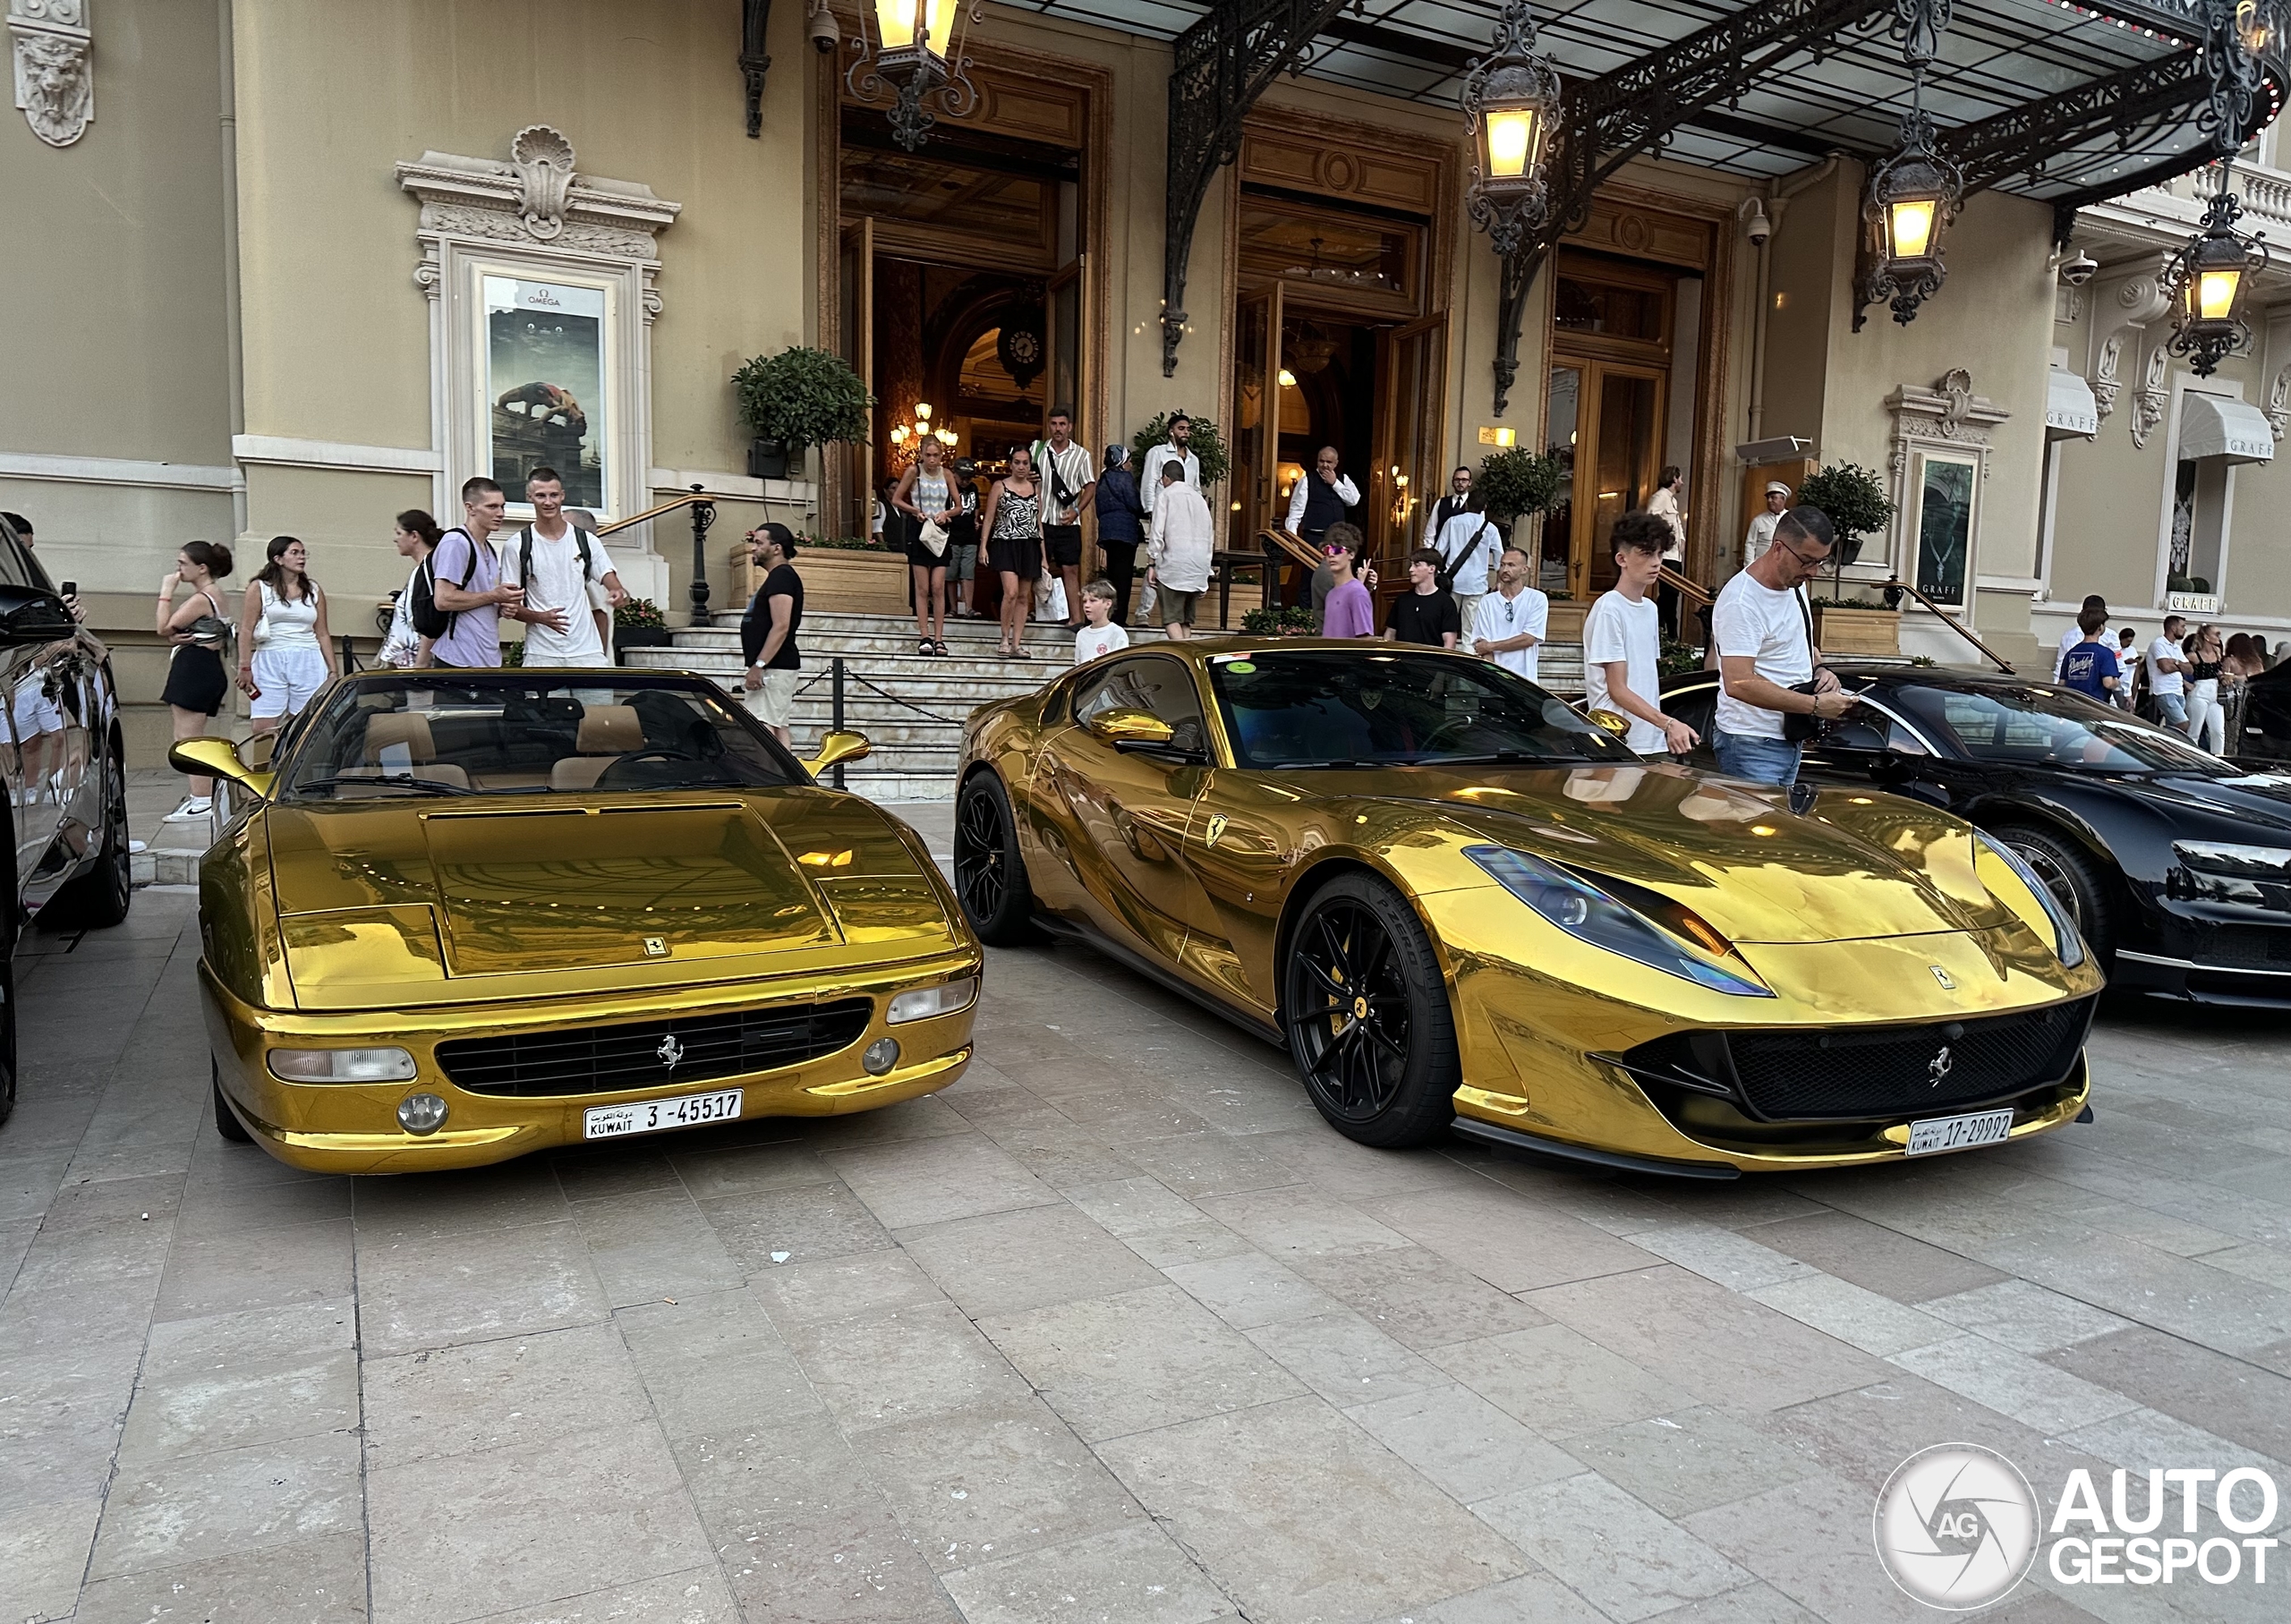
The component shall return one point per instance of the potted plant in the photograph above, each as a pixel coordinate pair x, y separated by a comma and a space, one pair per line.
1858, 506
798, 398
1206, 444
637, 623
1290, 620
1514, 486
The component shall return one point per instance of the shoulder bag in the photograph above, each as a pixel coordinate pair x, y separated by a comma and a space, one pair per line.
1797, 729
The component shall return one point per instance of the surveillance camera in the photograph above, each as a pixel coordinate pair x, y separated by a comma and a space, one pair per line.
2078, 269
825, 37
1759, 227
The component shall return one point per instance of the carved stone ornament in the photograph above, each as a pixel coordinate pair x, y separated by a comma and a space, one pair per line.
535, 198
2148, 403
1949, 411
55, 77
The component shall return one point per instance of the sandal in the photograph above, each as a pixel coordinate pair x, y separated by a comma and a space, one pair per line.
922, 646
944, 652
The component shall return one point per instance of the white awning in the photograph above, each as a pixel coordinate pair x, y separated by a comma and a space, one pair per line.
2213, 425
2070, 411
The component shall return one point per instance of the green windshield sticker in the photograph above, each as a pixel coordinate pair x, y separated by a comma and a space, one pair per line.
1243, 666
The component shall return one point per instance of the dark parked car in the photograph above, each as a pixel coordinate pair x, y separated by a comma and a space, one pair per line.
2175, 863
66, 773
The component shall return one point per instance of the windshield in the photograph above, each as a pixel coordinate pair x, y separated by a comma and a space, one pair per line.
434, 733
1339, 708
2043, 726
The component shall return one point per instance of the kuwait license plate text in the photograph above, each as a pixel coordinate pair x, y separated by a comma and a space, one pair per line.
1938, 1134
654, 1116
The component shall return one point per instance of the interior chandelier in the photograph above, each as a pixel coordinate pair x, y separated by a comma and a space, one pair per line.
913, 54
1510, 102
1915, 194
909, 436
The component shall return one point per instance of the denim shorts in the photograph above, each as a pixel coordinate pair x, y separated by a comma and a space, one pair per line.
2172, 708
1759, 761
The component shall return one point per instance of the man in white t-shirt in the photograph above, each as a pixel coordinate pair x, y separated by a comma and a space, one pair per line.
1764, 631
1622, 642
2072, 636
1761, 532
555, 561
1468, 545
1514, 619
2167, 669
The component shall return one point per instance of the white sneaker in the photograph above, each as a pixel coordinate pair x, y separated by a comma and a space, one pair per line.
193, 808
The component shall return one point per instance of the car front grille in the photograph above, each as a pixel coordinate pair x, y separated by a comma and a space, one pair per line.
653, 1054
1871, 1072
2252, 945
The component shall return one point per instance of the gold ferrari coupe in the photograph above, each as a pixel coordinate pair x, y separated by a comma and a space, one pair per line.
461, 915
1462, 905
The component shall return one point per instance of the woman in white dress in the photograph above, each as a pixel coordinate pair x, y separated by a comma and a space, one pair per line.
284, 653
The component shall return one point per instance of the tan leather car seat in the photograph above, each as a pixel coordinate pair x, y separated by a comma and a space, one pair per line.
607, 733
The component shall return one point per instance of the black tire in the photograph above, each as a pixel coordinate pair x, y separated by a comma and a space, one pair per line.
227, 1120
990, 875
1366, 1015
2070, 875
8, 1015
99, 898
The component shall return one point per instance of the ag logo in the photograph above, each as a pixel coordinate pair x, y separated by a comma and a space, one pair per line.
1956, 1526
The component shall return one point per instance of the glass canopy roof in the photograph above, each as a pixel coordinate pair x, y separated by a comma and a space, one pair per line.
1997, 54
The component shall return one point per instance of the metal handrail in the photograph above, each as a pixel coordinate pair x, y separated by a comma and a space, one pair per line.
1288, 542
1687, 589
1955, 625
651, 513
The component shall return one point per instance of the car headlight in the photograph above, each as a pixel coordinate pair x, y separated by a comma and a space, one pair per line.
2067, 942
2244, 862
1589, 915
340, 1065
924, 1002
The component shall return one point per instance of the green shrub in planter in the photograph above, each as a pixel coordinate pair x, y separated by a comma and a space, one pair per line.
1207, 445
1512, 484
1856, 504
799, 398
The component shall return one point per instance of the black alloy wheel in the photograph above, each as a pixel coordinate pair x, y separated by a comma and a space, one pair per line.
990, 875
99, 898
2073, 879
227, 1120
1366, 1015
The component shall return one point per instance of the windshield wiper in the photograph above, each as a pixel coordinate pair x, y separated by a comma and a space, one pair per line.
428, 787
1494, 758
1332, 762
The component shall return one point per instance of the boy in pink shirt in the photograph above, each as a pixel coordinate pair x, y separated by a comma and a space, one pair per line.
1351, 611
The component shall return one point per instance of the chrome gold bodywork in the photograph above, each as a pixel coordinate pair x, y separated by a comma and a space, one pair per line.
1866, 917
416, 923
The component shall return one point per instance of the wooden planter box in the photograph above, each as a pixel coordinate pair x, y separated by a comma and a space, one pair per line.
835, 581
1857, 631
1566, 623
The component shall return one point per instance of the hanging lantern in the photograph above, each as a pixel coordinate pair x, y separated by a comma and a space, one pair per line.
1913, 197
2209, 279
914, 59
1511, 103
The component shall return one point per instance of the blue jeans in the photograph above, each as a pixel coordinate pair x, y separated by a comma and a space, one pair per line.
1760, 760
2172, 708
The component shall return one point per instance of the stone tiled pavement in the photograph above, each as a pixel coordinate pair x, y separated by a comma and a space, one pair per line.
1113, 1330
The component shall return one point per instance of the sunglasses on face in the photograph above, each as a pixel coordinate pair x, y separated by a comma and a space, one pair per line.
1807, 564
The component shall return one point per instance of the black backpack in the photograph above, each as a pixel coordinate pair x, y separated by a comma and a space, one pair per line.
422, 612
525, 555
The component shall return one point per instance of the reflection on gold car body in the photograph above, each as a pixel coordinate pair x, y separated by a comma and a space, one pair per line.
541, 955
1621, 962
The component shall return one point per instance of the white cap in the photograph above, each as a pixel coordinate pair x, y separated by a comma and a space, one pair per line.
1774, 484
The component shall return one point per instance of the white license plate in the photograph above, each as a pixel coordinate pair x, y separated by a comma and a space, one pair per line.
656, 1116
1938, 1134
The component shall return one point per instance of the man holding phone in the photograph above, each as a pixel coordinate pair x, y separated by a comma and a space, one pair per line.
1773, 691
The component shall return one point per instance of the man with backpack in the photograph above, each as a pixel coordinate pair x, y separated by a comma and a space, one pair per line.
1469, 545
554, 561
458, 594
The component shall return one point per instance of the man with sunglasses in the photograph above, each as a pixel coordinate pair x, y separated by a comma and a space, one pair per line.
1769, 669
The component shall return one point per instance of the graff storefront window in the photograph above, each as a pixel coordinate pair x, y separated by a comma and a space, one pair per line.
545, 380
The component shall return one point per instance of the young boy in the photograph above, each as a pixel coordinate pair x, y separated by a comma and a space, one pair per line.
1350, 612
1100, 634
2090, 667
1623, 647
1424, 614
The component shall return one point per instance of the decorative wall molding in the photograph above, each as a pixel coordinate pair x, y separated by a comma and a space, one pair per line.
55, 70
2154, 395
1950, 423
283, 451
2278, 402
115, 470
1948, 411
535, 199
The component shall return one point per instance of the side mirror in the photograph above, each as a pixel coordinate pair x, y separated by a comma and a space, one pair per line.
1129, 730
28, 615
216, 758
838, 748
1607, 721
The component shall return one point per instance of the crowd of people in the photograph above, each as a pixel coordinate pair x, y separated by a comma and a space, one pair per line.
2193, 681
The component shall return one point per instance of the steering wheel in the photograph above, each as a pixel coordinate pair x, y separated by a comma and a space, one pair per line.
1453, 724
612, 773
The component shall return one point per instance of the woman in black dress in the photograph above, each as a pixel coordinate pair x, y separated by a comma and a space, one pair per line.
197, 682
1013, 526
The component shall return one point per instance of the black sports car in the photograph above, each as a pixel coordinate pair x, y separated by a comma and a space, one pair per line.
2175, 863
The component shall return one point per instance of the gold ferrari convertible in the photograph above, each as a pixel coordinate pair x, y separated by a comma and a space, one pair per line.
1462, 905
461, 915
